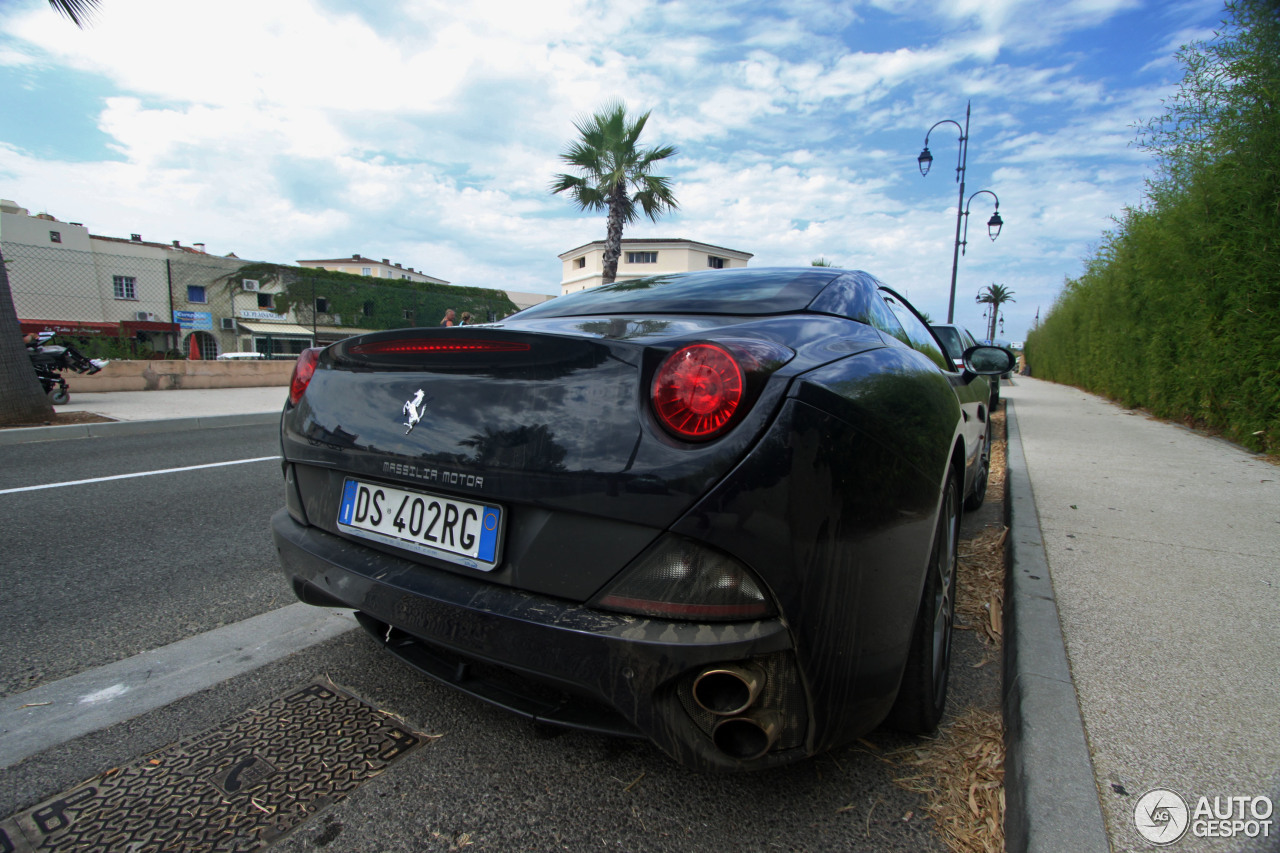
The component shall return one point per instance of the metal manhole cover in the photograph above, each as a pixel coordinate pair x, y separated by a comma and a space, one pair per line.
237, 787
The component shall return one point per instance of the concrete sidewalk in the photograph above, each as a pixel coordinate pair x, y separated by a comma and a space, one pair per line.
160, 411
195, 403
1163, 547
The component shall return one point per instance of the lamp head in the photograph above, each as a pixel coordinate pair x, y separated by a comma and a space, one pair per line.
925, 160
994, 224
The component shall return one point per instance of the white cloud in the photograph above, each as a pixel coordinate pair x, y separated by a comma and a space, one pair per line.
428, 131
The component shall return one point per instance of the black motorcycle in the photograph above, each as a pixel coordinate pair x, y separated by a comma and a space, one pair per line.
50, 360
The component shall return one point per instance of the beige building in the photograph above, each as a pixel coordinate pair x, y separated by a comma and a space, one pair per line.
69, 281
525, 300
358, 265
584, 266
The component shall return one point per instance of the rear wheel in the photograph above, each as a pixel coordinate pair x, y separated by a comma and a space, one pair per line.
982, 476
923, 694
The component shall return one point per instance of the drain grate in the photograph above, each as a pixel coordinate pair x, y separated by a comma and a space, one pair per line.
237, 787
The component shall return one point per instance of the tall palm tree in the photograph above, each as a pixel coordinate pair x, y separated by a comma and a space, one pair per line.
615, 175
22, 400
994, 295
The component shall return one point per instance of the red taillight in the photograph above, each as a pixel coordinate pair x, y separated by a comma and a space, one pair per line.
303, 370
696, 391
409, 346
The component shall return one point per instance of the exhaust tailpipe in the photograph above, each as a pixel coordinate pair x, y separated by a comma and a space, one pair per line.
727, 691
749, 737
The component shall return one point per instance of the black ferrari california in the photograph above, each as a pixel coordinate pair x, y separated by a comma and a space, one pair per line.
717, 509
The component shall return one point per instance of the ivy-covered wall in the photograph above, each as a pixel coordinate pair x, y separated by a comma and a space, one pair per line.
362, 302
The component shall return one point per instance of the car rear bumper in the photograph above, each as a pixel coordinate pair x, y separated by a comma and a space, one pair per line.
550, 659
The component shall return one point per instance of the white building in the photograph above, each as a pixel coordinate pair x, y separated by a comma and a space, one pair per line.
359, 265
584, 266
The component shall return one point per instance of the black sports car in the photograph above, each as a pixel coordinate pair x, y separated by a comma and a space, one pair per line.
716, 509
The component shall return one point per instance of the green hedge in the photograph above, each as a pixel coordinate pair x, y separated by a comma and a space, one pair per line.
1178, 311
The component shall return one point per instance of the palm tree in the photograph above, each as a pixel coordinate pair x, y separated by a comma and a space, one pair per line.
821, 262
22, 401
615, 175
994, 295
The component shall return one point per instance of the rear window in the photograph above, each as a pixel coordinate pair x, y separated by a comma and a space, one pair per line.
737, 292
951, 340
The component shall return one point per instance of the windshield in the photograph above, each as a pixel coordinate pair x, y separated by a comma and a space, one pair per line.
738, 292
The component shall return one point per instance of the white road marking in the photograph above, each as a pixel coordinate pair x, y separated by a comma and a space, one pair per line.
55, 713
105, 694
139, 474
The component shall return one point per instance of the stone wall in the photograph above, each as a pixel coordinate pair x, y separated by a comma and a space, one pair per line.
173, 375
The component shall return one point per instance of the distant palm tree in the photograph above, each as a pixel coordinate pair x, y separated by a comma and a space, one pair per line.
22, 400
615, 175
821, 262
994, 295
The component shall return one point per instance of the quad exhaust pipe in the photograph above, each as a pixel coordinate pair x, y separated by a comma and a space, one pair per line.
747, 737
727, 691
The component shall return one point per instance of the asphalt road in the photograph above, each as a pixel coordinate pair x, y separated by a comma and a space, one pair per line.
100, 571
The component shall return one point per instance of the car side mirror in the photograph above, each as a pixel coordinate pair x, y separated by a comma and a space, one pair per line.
988, 361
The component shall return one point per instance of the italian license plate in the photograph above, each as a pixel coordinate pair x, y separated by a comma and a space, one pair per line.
462, 532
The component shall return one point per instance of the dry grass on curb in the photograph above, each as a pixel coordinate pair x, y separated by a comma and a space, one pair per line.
960, 773
961, 776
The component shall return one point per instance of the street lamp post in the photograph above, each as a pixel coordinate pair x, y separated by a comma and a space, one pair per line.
925, 160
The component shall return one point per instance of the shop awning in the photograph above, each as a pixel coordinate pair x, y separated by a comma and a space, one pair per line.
148, 326
276, 330
68, 327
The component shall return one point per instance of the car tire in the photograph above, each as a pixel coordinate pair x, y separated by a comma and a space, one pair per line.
982, 476
922, 696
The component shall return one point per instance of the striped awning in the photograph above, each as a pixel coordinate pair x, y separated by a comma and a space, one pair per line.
277, 330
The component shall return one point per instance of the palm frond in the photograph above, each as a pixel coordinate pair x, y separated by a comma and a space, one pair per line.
79, 11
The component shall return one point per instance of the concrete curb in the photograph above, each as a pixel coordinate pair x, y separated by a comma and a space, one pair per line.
25, 435
1051, 794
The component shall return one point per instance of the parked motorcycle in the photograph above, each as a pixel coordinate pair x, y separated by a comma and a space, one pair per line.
50, 360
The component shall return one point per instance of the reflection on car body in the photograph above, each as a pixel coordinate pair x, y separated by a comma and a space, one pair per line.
725, 507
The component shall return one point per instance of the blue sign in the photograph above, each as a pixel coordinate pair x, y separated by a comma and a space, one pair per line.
196, 321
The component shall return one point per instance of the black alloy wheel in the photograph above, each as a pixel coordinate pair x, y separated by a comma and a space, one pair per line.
923, 695
983, 475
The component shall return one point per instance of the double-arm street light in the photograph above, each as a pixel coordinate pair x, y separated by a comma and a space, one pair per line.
962, 206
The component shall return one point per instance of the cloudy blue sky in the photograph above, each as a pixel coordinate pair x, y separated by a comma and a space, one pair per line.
427, 131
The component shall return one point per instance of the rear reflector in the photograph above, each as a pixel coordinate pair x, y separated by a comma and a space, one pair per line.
407, 346
682, 579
